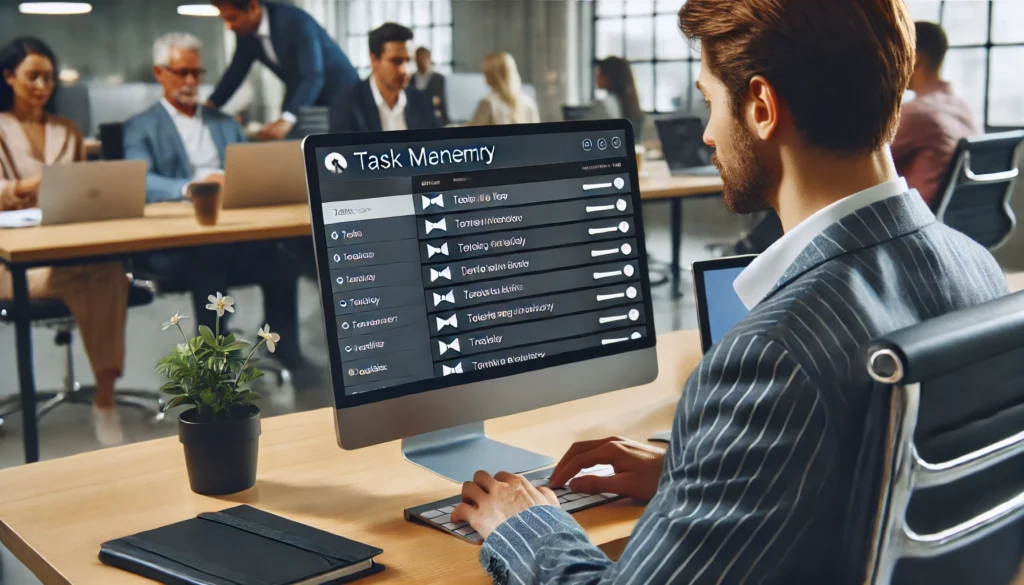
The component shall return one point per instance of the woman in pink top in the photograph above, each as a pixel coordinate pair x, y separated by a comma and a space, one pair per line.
30, 138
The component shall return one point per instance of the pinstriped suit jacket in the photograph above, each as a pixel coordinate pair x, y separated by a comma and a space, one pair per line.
764, 480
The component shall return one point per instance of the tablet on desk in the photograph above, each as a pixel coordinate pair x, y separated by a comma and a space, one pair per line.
719, 308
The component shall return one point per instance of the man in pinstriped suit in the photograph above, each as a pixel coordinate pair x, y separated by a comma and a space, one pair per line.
771, 473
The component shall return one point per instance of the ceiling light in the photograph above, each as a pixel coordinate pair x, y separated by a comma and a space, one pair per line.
55, 8
198, 10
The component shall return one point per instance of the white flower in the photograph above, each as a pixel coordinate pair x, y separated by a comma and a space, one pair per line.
271, 338
175, 319
221, 303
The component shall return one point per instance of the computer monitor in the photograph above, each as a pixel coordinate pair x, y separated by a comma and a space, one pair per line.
682, 144
719, 308
473, 273
577, 113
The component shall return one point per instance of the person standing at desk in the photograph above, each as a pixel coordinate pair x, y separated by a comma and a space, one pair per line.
384, 101
778, 445
297, 49
182, 143
432, 84
32, 137
507, 103
933, 123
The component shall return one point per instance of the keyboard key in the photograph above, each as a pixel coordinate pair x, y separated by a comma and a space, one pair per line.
431, 514
465, 530
442, 519
475, 537
454, 526
610, 495
447, 510
562, 491
570, 497
582, 502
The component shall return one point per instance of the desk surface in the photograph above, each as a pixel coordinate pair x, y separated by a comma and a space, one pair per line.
656, 183
54, 515
165, 225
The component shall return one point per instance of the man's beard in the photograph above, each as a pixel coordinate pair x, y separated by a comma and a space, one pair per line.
187, 97
748, 181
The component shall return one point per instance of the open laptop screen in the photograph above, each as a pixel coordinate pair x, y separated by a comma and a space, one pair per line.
719, 308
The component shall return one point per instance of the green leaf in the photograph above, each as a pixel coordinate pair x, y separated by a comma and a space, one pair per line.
208, 337
209, 398
176, 401
173, 388
235, 346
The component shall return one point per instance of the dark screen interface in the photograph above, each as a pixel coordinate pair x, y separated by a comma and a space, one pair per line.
457, 256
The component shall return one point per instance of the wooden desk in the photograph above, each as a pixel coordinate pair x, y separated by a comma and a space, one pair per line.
165, 226
656, 184
54, 515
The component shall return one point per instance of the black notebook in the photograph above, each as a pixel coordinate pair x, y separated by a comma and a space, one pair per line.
241, 546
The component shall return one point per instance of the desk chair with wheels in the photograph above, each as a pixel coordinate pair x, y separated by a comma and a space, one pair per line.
975, 197
952, 500
55, 315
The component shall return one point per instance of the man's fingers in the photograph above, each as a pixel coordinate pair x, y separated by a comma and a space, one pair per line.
548, 495
602, 455
506, 477
484, 480
473, 493
592, 484
578, 448
464, 513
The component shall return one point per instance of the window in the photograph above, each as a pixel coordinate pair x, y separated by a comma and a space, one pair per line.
645, 33
986, 48
350, 23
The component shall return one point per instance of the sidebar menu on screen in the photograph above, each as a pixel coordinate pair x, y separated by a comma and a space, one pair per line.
472, 271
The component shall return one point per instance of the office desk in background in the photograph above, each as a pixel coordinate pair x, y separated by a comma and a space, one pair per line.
165, 226
54, 515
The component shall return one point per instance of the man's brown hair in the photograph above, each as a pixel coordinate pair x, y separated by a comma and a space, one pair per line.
840, 66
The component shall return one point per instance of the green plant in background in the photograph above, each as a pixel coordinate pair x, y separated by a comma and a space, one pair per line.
213, 372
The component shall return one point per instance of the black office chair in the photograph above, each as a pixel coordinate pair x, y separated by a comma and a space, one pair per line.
953, 489
975, 196
112, 141
55, 315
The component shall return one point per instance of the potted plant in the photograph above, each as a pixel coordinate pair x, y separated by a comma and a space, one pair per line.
213, 374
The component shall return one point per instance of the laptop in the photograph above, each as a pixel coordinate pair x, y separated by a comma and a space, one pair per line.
92, 191
719, 308
682, 143
577, 113
259, 174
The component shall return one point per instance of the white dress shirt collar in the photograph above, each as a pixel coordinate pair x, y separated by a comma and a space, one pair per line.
390, 118
423, 79
263, 33
176, 113
760, 277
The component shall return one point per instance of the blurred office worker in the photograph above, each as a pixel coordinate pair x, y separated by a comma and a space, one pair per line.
506, 104
933, 123
432, 84
295, 47
32, 137
615, 76
184, 142
384, 101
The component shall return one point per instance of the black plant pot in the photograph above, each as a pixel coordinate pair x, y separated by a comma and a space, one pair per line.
221, 456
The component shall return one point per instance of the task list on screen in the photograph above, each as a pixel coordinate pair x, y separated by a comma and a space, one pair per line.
453, 257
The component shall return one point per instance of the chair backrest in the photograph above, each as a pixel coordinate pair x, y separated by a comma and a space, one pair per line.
952, 478
975, 197
72, 101
112, 141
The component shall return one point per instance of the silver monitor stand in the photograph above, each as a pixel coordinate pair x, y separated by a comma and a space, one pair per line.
459, 452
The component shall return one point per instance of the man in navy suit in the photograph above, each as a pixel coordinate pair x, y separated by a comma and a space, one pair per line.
297, 49
182, 143
776, 456
385, 101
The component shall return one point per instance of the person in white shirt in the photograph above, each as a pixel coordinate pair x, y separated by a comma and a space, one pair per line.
384, 101
183, 142
507, 103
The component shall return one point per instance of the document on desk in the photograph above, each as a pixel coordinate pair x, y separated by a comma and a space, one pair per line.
21, 218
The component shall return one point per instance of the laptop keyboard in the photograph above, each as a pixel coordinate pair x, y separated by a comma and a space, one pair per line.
439, 514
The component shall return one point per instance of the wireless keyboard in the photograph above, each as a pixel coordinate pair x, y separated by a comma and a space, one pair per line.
439, 514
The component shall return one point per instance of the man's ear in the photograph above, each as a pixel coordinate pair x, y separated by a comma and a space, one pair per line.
763, 108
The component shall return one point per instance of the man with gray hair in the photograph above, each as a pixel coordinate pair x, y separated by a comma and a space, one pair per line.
183, 142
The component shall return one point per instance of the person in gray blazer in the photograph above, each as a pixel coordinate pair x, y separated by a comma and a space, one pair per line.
182, 143
776, 452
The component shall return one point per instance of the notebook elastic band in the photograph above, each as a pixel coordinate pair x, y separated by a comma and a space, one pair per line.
282, 537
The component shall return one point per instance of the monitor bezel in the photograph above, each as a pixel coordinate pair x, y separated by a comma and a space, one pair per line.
309, 147
700, 291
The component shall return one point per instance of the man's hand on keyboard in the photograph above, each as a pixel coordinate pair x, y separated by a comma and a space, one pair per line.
637, 468
488, 501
